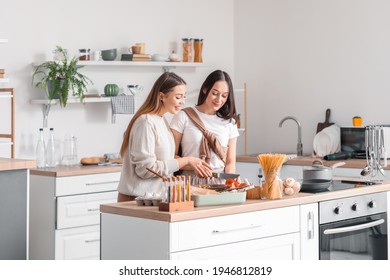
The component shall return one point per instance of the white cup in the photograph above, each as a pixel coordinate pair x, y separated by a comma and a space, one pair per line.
96, 55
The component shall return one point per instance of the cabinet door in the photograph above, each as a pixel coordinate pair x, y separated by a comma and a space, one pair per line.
82, 243
227, 229
87, 183
82, 210
281, 247
309, 231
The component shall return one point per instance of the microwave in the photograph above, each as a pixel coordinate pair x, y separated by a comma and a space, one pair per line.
352, 139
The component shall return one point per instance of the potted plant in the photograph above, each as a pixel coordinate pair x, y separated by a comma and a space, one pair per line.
59, 78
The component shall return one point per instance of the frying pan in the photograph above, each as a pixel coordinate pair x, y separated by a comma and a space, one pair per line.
315, 185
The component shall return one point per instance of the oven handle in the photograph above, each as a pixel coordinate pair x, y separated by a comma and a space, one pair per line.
354, 228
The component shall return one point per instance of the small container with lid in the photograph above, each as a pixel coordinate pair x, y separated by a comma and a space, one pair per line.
84, 54
198, 48
187, 49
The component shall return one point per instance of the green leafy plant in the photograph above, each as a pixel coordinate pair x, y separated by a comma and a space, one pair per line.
59, 78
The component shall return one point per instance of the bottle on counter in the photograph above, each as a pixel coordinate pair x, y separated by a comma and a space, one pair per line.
51, 153
40, 152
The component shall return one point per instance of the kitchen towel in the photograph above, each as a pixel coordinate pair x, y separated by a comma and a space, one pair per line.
122, 104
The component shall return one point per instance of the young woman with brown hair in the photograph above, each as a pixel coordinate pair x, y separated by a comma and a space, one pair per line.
216, 109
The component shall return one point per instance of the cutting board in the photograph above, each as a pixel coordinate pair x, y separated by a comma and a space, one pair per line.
321, 126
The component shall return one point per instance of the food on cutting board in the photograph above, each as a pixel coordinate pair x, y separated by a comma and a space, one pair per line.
291, 186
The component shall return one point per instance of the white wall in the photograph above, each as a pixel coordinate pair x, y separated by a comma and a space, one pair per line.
34, 28
300, 57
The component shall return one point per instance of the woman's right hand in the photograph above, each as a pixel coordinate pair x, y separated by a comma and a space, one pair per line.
200, 167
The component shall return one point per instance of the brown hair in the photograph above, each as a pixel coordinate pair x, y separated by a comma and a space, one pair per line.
228, 110
152, 105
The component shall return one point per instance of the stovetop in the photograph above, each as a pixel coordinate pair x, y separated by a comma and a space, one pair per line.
338, 185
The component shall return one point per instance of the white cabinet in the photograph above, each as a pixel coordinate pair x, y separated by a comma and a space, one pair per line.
268, 234
281, 247
309, 234
65, 214
78, 243
14, 185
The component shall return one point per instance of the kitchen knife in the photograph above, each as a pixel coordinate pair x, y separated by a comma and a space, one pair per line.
225, 175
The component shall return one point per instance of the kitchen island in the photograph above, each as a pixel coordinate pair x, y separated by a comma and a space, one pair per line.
258, 229
14, 191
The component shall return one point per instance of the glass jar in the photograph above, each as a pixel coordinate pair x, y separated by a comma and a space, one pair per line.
187, 49
198, 48
272, 188
84, 54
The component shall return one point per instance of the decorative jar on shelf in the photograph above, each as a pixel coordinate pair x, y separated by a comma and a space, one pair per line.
111, 90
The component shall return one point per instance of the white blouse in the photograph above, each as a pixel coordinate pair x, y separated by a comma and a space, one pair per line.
151, 145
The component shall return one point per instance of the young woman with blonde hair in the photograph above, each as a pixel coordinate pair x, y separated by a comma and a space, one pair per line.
148, 142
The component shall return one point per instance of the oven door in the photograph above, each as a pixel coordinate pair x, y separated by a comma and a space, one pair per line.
363, 238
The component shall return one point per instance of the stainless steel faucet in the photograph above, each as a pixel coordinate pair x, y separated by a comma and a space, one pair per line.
299, 145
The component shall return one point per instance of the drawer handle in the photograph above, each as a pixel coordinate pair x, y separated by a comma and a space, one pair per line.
310, 225
100, 183
236, 229
93, 209
92, 240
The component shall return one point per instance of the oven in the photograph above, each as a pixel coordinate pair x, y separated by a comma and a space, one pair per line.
354, 228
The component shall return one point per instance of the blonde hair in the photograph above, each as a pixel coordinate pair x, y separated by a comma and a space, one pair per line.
152, 105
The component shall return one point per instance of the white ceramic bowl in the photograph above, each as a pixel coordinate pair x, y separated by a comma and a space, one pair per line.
160, 57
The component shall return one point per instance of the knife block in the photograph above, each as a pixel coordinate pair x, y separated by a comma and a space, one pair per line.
176, 206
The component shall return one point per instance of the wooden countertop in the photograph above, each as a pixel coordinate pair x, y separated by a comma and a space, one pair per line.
14, 164
308, 160
150, 212
63, 171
